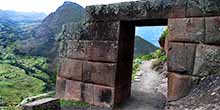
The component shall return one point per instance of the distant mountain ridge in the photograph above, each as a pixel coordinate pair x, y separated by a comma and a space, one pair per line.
21, 16
16, 26
43, 42
143, 47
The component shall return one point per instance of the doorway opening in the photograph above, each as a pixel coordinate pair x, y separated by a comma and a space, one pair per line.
146, 57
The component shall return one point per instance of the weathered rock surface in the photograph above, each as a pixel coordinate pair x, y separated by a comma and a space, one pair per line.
205, 96
187, 30
179, 85
43, 104
138, 10
207, 60
212, 30
181, 57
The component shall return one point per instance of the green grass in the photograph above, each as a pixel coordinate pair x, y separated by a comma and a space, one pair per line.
16, 85
66, 103
22, 77
159, 55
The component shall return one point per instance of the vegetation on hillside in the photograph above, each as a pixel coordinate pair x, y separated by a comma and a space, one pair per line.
20, 76
163, 37
159, 56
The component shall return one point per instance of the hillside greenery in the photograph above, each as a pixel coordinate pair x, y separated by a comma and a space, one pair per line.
159, 56
21, 76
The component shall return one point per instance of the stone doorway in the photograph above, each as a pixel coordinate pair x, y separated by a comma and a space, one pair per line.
128, 96
125, 59
96, 61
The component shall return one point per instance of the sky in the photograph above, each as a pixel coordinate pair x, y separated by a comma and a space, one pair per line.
150, 33
47, 6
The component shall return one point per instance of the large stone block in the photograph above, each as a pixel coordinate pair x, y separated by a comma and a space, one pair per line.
71, 31
187, 29
103, 31
212, 7
103, 96
71, 69
181, 57
100, 73
195, 8
73, 90
60, 87
179, 86
207, 60
75, 49
199, 8
137, 10
212, 30
103, 51
43, 104
87, 94
173, 8
125, 11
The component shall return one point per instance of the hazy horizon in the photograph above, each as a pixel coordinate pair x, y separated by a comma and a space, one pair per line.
47, 6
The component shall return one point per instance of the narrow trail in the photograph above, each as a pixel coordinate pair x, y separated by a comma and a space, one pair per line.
149, 93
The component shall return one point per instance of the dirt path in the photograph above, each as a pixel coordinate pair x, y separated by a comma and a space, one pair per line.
148, 93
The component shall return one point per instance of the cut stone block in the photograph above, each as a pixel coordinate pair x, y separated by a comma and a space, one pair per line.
173, 8
71, 69
104, 31
60, 87
195, 8
212, 30
137, 10
72, 31
73, 90
87, 93
102, 51
207, 61
181, 57
103, 96
200, 8
75, 49
100, 73
187, 30
212, 7
43, 104
178, 86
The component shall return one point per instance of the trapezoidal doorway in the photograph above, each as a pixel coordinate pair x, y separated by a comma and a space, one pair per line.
96, 60
125, 58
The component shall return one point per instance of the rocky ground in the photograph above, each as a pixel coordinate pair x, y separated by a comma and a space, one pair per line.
148, 90
205, 96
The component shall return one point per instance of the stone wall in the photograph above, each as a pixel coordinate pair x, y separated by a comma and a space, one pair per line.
96, 57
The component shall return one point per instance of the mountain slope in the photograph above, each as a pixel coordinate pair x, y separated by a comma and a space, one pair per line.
143, 47
43, 42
